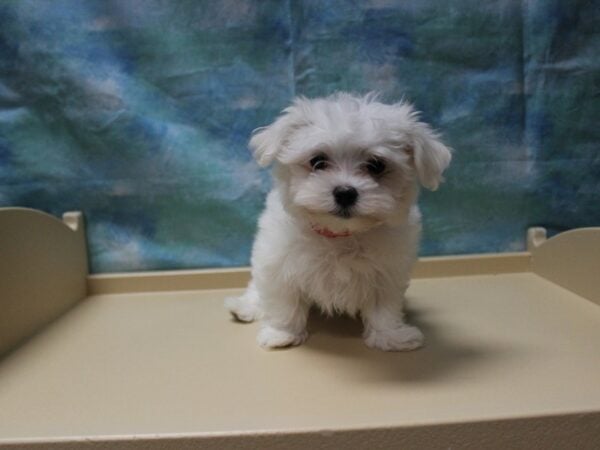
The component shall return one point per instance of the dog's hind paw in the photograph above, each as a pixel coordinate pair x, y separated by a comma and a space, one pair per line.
242, 309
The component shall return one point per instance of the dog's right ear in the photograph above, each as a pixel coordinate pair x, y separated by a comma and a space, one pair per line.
267, 142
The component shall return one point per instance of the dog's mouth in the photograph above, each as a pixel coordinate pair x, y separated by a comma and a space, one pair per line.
343, 221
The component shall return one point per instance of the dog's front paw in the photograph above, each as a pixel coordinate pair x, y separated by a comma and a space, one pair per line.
269, 337
401, 339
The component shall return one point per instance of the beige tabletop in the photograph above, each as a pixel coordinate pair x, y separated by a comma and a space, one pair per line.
501, 346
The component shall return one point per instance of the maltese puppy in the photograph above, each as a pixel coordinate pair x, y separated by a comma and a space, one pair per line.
341, 226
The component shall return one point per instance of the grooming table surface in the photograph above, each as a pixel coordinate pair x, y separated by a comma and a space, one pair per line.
498, 346
152, 361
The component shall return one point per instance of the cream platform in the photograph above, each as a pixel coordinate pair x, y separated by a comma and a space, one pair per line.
152, 360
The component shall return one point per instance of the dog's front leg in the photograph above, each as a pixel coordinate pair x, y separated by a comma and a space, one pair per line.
285, 315
385, 328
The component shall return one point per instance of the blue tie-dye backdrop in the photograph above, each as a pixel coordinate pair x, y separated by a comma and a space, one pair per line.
137, 112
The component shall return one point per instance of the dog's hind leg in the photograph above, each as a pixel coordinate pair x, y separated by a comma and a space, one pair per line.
245, 308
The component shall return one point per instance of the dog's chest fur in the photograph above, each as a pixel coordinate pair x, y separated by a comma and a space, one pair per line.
340, 274
347, 273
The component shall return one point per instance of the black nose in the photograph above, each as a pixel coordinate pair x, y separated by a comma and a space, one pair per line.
345, 196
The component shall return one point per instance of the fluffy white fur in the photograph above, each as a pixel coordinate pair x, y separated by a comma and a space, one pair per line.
365, 269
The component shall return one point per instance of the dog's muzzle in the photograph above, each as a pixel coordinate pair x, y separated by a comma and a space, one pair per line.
345, 198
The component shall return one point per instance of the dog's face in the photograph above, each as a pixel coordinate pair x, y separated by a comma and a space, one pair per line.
348, 164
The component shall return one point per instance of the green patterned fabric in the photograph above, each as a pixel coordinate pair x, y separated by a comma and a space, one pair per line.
138, 113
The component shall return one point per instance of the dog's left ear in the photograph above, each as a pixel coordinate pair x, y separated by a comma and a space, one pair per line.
267, 142
430, 156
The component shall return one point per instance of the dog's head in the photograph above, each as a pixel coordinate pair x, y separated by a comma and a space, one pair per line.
349, 163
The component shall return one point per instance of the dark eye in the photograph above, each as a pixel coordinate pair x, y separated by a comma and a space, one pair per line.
319, 162
375, 166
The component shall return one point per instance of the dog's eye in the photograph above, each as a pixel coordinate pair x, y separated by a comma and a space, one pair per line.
375, 166
319, 162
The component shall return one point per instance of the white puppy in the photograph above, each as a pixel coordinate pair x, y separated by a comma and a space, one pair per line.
341, 226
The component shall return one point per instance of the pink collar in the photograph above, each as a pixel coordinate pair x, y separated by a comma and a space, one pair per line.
328, 233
